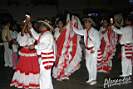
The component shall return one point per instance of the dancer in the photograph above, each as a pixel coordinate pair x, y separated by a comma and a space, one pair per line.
107, 47
92, 43
68, 51
27, 70
46, 51
126, 41
6, 37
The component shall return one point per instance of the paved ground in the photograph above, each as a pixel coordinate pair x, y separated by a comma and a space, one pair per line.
77, 80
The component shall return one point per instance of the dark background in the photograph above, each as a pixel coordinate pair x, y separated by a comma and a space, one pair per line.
50, 8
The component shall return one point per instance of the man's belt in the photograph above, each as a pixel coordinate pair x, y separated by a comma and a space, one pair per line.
89, 48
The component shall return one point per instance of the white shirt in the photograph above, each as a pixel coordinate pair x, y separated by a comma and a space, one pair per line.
126, 34
46, 41
25, 40
14, 34
93, 35
6, 34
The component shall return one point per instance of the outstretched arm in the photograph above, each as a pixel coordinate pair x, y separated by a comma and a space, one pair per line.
77, 31
34, 34
76, 26
118, 31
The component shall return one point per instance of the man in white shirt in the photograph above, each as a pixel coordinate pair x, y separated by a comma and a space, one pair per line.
126, 41
6, 37
46, 50
92, 44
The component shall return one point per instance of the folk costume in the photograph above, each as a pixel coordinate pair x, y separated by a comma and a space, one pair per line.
27, 69
92, 44
126, 41
45, 48
68, 52
107, 48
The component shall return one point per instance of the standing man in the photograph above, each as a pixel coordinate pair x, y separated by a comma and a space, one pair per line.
46, 51
126, 40
92, 44
6, 37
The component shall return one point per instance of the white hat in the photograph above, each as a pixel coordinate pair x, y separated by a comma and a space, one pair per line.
46, 22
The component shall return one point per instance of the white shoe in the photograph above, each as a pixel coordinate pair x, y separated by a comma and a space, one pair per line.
59, 79
88, 81
123, 75
93, 82
65, 78
6, 65
130, 74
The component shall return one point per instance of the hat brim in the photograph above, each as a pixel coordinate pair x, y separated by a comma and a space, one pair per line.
47, 24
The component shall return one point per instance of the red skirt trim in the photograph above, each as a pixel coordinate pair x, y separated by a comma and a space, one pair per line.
21, 85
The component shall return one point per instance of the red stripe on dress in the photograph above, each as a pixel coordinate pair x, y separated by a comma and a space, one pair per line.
60, 43
74, 46
22, 85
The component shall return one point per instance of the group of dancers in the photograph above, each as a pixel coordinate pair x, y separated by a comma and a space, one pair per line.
43, 55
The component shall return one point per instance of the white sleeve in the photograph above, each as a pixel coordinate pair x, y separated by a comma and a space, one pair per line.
118, 31
4, 35
77, 31
22, 40
97, 39
46, 42
34, 34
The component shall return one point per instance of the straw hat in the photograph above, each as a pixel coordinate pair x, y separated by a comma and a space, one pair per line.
46, 23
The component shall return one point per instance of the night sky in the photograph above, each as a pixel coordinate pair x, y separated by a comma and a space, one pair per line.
49, 8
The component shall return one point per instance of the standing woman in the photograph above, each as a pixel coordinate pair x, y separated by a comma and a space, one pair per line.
107, 46
68, 51
59, 29
27, 70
